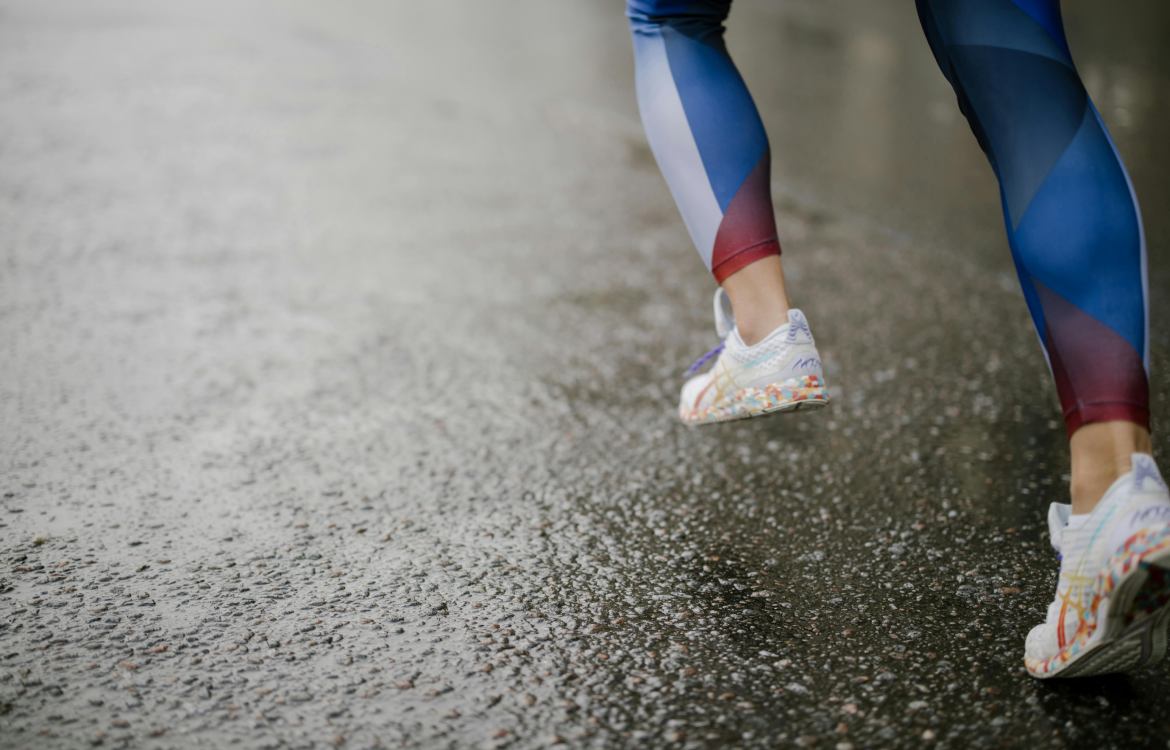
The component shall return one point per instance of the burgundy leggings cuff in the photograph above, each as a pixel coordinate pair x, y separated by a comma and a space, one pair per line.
1106, 411
745, 257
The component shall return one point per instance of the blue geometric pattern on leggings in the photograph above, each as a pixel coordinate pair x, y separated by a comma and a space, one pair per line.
1072, 220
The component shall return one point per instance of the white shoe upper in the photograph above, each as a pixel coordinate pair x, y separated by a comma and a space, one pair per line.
1138, 501
787, 353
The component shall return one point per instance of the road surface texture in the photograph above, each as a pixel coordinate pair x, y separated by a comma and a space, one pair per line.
339, 352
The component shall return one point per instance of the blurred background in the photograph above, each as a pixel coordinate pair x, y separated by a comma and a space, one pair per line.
339, 354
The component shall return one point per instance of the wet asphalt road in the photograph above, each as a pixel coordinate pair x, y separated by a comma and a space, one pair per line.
339, 348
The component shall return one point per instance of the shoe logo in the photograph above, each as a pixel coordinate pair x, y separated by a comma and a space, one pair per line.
721, 379
807, 363
1155, 514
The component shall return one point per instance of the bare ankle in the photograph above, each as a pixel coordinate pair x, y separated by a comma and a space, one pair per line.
1100, 454
755, 330
758, 298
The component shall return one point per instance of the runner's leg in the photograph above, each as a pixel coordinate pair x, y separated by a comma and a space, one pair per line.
1072, 219
711, 146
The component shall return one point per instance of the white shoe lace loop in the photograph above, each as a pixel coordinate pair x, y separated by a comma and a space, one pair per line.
1058, 514
724, 317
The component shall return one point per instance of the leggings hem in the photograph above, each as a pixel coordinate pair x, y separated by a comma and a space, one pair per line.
744, 257
1106, 411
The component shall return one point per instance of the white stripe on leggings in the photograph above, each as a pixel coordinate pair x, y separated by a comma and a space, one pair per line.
674, 145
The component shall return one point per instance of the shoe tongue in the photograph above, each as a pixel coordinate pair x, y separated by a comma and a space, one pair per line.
1058, 514
724, 318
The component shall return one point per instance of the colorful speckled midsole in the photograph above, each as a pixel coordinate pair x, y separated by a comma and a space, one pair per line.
807, 391
1141, 552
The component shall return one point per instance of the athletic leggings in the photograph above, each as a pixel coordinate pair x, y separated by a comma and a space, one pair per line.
1071, 216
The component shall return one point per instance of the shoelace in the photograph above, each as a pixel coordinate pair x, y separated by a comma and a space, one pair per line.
704, 359
724, 323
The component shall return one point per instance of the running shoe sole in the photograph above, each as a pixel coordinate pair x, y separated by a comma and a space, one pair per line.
806, 392
1128, 621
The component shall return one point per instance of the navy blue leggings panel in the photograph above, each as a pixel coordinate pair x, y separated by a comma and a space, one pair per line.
1072, 220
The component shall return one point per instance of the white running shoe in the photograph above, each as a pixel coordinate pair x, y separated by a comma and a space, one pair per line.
780, 373
1112, 607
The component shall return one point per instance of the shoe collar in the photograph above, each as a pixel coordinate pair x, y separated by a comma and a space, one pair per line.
1142, 468
725, 320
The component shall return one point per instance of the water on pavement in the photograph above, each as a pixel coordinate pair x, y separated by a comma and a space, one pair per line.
339, 349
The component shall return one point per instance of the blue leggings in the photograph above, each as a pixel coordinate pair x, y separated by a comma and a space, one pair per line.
1071, 216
